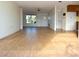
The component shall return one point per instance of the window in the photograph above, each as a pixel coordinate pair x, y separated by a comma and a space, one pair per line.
30, 18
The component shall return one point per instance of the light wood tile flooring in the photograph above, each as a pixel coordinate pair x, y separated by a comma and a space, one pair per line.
40, 42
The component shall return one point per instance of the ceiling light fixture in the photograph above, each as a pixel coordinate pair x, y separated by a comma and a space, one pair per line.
59, 1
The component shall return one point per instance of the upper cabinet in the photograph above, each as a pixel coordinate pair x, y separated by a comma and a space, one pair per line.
73, 8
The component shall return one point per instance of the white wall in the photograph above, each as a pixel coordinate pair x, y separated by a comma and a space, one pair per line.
52, 18
67, 22
60, 19
21, 18
70, 21
40, 22
56, 18
9, 19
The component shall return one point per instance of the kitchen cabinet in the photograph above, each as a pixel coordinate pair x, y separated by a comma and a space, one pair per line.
72, 8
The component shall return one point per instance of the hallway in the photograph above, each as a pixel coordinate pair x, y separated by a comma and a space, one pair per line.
40, 42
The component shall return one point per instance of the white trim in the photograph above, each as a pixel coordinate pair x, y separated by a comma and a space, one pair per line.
55, 20
21, 18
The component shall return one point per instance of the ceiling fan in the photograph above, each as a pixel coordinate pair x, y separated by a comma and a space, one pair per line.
38, 9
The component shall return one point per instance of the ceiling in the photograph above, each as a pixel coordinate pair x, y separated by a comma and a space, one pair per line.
44, 6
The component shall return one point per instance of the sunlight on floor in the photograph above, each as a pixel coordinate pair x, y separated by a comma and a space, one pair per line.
40, 42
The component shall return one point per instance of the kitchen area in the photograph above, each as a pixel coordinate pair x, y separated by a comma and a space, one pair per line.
75, 8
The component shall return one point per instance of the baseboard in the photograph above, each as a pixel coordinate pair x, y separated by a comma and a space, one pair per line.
35, 26
9, 35
70, 30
